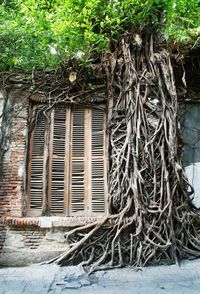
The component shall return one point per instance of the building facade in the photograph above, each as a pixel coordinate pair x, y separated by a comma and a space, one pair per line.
54, 163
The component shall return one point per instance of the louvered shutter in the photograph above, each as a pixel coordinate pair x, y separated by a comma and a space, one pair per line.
67, 166
78, 161
37, 165
57, 164
98, 177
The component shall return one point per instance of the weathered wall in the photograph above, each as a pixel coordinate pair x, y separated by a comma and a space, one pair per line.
23, 240
28, 245
12, 158
31, 240
190, 124
13, 134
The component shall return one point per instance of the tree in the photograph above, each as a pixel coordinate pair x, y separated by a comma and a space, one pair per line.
41, 34
150, 219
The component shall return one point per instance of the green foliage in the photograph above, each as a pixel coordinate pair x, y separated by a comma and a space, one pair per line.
183, 23
42, 33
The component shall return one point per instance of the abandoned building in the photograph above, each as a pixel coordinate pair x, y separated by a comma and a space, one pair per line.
55, 178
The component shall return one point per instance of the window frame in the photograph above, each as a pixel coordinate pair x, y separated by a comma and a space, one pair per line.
47, 164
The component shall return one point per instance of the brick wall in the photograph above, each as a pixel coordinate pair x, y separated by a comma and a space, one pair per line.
12, 169
11, 183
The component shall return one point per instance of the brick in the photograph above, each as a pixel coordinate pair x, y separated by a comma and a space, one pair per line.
10, 184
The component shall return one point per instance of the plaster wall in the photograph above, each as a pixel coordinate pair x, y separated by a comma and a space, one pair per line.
190, 125
29, 245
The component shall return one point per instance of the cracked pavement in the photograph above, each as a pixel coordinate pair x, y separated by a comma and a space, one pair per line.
173, 279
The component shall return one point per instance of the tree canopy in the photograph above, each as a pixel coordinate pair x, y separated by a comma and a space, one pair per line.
43, 33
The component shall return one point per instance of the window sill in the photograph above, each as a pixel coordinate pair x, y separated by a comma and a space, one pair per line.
46, 222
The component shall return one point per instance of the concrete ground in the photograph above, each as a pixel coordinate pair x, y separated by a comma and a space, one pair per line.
173, 279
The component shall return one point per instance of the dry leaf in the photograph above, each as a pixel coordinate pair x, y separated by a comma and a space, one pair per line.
72, 76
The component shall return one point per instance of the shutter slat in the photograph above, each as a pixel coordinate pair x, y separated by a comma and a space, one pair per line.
37, 161
98, 186
58, 160
97, 132
38, 134
78, 133
59, 131
77, 185
57, 186
78, 152
98, 202
36, 183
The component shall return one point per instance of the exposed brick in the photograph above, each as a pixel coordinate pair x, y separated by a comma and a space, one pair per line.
11, 185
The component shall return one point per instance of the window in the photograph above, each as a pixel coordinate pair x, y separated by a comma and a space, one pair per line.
67, 164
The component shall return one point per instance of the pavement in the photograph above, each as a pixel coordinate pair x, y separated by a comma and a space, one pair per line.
52, 279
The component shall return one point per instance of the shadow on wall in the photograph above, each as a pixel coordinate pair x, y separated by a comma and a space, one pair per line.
190, 126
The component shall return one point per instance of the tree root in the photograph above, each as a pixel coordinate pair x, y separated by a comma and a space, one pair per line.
150, 220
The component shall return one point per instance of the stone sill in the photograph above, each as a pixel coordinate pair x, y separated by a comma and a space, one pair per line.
49, 221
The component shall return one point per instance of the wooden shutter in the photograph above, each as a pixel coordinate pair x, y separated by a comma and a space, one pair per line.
75, 148
57, 161
77, 161
98, 177
37, 164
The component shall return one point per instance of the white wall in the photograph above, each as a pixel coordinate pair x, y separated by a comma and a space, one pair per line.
190, 124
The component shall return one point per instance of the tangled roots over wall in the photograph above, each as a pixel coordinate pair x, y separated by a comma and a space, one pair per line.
150, 219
